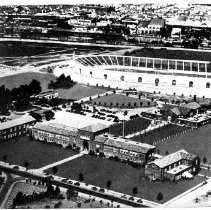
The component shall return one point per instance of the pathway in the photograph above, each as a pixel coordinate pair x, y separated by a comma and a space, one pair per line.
177, 198
58, 163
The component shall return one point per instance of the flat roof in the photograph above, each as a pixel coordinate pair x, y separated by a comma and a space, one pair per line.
76, 120
178, 169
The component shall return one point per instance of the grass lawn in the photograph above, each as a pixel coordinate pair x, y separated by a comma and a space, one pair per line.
122, 101
38, 154
197, 142
98, 171
25, 78
79, 91
159, 134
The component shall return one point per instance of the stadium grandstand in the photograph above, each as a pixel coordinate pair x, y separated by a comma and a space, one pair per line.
187, 77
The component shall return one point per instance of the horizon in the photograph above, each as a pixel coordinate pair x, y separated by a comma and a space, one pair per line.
108, 2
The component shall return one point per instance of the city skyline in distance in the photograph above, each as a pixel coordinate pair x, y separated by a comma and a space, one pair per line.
108, 2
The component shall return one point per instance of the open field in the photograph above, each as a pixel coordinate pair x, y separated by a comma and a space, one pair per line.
38, 154
123, 177
25, 78
79, 91
20, 48
196, 142
116, 100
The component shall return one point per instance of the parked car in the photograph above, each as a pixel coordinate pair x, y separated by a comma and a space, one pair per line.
70, 182
131, 198
124, 196
102, 190
94, 188
77, 184
64, 180
139, 201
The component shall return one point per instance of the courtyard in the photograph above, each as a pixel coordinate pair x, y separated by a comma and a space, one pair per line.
37, 154
123, 177
196, 142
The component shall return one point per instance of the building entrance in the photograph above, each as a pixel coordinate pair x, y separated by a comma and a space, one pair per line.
85, 145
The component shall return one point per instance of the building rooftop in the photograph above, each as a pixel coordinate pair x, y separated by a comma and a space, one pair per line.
172, 158
126, 144
57, 129
94, 127
17, 121
157, 21
46, 93
192, 105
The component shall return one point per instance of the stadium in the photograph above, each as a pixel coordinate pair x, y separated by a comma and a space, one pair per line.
187, 77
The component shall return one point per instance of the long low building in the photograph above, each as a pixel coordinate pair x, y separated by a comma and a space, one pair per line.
122, 148
15, 127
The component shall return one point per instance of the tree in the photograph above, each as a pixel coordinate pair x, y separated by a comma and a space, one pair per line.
204, 160
34, 87
135, 191
49, 115
36, 116
55, 170
160, 196
81, 177
26, 164
76, 107
57, 190
4, 157
70, 193
167, 152
108, 184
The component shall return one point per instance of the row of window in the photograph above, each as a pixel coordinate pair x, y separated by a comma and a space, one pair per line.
13, 135
121, 151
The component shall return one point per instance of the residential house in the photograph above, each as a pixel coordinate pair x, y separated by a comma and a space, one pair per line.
156, 24
173, 166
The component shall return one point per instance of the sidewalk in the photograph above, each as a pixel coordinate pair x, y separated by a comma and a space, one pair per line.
57, 163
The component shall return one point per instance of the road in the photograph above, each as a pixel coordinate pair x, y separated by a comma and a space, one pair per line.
38, 177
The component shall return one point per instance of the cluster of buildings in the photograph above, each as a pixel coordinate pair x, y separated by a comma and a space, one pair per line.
95, 139
144, 22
